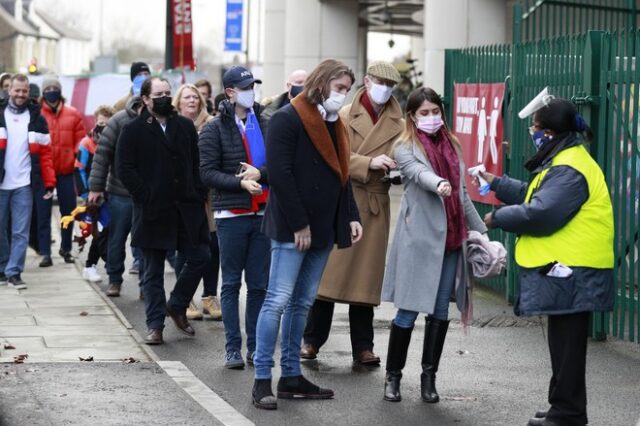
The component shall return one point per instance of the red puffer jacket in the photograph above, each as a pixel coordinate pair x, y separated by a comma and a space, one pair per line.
67, 130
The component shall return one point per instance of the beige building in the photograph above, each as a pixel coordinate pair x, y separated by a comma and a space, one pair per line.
27, 33
300, 33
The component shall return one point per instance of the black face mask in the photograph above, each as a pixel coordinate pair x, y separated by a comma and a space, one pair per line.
209, 107
97, 131
295, 91
53, 96
162, 106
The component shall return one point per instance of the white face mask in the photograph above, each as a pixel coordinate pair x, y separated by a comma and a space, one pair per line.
245, 98
334, 102
380, 93
430, 124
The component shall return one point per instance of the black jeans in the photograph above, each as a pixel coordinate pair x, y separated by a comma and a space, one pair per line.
568, 350
98, 248
319, 320
211, 270
184, 289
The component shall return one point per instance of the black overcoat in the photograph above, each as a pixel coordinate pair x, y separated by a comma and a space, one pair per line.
304, 188
161, 172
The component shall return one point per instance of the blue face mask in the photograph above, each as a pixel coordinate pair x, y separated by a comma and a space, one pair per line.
539, 139
137, 84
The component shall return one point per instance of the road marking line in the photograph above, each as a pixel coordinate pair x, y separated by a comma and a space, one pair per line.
203, 395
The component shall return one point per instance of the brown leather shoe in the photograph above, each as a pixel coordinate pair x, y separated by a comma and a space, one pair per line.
154, 336
114, 289
181, 321
367, 358
308, 351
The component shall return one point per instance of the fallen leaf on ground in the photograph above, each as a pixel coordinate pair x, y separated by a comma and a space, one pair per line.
84, 313
89, 358
130, 360
20, 358
9, 346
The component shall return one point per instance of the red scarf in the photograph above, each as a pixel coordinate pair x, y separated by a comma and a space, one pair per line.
366, 103
446, 164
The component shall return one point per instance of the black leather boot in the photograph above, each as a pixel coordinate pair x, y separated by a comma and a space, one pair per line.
399, 339
434, 335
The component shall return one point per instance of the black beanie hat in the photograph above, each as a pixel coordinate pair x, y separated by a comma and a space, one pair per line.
137, 68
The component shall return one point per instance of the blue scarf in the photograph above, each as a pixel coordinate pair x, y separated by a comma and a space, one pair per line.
255, 141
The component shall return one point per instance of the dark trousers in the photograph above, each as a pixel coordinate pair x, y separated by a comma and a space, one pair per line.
211, 271
184, 289
568, 350
319, 320
98, 248
66, 192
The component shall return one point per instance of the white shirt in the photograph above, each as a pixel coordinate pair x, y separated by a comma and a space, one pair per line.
17, 161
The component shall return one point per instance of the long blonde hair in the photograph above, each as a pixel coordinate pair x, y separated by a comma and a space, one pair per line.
415, 100
203, 116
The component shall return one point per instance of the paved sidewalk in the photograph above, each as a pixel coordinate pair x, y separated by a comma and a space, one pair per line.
59, 319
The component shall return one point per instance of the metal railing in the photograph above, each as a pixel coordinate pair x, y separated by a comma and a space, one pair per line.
597, 71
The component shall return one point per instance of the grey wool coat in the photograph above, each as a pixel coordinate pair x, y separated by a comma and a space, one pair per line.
414, 263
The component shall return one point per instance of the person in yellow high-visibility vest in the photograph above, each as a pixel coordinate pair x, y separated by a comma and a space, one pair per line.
564, 251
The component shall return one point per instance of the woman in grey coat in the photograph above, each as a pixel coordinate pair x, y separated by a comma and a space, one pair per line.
427, 254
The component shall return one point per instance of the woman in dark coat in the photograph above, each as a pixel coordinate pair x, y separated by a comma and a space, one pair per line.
564, 251
310, 208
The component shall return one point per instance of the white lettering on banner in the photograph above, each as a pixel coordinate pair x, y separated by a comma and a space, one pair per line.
464, 125
182, 20
467, 105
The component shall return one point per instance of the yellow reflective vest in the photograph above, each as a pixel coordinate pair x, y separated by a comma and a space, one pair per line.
587, 239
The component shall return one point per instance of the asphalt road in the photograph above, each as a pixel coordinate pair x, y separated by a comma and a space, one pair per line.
496, 373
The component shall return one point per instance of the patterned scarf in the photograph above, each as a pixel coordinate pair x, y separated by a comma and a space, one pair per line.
444, 160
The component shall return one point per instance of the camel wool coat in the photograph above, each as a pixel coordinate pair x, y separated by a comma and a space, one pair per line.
354, 275
414, 264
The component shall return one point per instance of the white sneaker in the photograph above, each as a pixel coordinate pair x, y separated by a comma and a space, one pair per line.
90, 274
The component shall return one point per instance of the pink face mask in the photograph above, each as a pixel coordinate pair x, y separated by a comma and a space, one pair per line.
430, 124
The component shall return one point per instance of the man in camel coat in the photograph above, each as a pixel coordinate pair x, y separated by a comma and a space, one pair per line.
354, 276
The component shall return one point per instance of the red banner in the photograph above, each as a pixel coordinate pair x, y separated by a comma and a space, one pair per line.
477, 122
182, 34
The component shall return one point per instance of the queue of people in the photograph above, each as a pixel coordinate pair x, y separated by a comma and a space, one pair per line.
293, 195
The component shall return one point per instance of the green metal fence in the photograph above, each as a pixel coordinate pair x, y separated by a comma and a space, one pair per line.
544, 19
597, 70
621, 162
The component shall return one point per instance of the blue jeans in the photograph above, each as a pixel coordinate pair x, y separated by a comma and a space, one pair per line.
120, 208
406, 319
15, 206
243, 247
186, 284
66, 191
293, 284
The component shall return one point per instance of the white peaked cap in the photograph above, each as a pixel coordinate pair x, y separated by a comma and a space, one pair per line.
541, 100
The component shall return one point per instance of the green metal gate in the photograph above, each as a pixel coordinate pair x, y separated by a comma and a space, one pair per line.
597, 70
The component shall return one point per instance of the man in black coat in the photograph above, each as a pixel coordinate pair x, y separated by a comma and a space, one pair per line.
157, 161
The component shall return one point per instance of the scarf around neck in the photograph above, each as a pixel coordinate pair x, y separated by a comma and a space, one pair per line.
256, 156
446, 164
15, 108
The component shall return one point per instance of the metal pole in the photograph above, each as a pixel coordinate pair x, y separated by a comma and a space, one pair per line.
248, 32
168, 52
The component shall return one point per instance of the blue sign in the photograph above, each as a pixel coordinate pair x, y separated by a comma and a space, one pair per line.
233, 36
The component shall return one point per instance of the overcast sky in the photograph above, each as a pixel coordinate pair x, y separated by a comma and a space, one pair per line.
146, 19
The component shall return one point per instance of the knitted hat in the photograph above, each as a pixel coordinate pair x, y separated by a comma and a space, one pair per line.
384, 70
137, 68
51, 80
